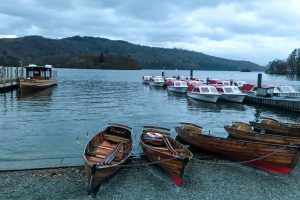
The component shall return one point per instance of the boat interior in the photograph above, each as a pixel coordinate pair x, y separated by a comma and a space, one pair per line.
157, 138
190, 127
110, 146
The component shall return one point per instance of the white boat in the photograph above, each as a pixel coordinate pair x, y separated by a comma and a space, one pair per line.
177, 86
157, 81
239, 83
203, 92
231, 93
287, 91
169, 79
192, 82
227, 83
146, 79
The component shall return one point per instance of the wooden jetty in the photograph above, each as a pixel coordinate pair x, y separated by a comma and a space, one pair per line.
275, 102
265, 97
8, 78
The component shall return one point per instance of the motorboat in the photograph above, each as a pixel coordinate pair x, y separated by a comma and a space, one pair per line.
239, 84
203, 92
146, 79
287, 91
157, 81
177, 86
231, 93
37, 78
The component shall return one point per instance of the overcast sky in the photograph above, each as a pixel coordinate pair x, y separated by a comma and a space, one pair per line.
254, 30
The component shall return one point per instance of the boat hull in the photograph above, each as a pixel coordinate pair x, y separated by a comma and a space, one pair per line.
233, 98
269, 157
204, 97
177, 89
98, 176
33, 85
157, 84
268, 138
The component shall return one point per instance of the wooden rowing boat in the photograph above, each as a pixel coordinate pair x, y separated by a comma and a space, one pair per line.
270, 157
272, 126
244, 131
169, 154
105, 152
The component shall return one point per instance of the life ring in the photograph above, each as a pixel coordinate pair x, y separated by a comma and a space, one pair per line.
154, 135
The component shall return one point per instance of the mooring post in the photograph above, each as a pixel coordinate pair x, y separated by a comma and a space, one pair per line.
259, 79
163, 73
17, 72
4, 75
22, 70
1, 73
11, 76
191, 74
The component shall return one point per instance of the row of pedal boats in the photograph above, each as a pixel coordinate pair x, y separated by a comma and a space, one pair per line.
268, 145
197, 89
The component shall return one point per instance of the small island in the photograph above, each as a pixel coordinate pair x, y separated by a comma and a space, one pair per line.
245, 69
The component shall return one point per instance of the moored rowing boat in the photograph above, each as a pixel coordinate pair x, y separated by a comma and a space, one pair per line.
272, 126
244, 131
165, 151
270, 157
105, 152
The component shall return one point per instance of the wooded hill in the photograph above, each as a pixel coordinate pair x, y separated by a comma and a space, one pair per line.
93, 52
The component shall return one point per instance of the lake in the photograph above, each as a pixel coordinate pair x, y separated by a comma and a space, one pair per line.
42, 129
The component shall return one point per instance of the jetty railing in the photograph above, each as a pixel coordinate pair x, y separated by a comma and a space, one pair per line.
9, 77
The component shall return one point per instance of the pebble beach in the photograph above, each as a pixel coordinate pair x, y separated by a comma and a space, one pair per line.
208, 179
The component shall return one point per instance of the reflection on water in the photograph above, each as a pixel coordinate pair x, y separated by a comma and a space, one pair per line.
293, 77
43, 95
47, 124
202, 106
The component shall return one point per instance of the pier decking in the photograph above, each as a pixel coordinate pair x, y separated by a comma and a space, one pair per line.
291, 104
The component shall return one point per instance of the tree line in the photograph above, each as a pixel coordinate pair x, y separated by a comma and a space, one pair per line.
289, 66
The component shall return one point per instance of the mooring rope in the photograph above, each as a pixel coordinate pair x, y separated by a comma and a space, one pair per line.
242, 162
147, 164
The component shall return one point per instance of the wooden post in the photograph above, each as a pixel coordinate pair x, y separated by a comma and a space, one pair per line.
11, 76
4, 75
191, 74
17, 72
1, 77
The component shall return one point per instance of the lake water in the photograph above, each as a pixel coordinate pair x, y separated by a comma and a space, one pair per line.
42, 129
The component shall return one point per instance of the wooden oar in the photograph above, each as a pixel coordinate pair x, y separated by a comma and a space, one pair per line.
109, 158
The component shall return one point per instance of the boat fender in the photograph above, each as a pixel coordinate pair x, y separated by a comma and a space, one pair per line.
154, 135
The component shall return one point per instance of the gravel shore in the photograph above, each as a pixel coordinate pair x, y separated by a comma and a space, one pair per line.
202, 180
